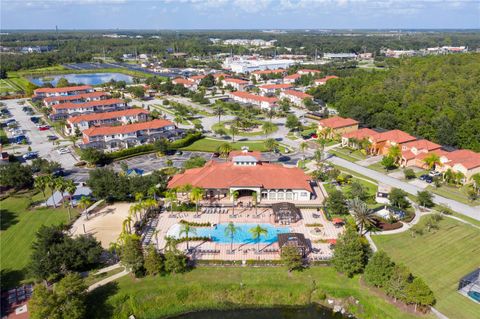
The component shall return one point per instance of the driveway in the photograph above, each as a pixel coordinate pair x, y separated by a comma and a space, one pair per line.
473, 212
38, 139
369, 161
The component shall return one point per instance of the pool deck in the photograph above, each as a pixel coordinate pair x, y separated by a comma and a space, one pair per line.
215, 251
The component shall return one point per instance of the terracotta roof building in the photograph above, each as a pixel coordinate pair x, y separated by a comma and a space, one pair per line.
349, 139
381, 142
336, 126
80, 98
296, 97
291, 78
237, 84
246, 175
69, 90
189, 84
272, 88
117, 137
308, 72
65, 110
83, 122
324, 80
263, 102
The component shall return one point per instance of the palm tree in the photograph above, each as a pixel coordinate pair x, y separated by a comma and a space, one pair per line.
257, 232
270, 144
73, 138
170, 243
153, 192
84, 203
50, 181
233, 131
148, 204
187, 230
325, 133
129, 221
268, 128
234, 196
395, 152
40, 184
255, 201
134, 209
178, 119
138, 197
270, 113
224, 149
432, 160
303, 147
61, 186
230, 231
219, 111
155, 234
196, 195
365, 144
363, 215
171, 196
71, 188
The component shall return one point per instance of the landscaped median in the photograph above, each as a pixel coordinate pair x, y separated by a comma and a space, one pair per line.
234, 288
211, 145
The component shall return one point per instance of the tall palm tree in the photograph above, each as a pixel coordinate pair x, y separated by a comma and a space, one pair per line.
138, 197
187, 230
196, 195
171, 196
73, 138
257, 232
270, 113
255, 201
224, 149
230, 231
40, 184
363, 215
71, 188
51, 184
61, 186
395, 152
219, 111
84, 203
147, 205
170, 243
134, 209
129, 221
303, 147
233, 131
270, 144
153, 192
155, 234
268, 128
234, 196
432, 160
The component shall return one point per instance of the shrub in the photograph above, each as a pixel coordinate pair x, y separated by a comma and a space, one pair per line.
409, 173
206, 224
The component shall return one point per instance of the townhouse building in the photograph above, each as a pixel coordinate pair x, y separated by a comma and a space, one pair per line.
290, 79
264, 102
237, 84
69, 90
65, 110
191, 85
274, 88
336, 126
324, 80
80, 98
296, 97
80, 123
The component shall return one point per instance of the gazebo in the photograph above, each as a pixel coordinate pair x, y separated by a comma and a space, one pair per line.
286, 213
296, 240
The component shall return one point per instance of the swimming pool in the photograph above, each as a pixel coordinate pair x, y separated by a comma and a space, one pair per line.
243, 235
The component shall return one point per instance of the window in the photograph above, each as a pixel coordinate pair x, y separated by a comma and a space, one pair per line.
289, 195
280, 195
272, 195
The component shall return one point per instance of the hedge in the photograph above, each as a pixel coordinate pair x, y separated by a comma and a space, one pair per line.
186, 141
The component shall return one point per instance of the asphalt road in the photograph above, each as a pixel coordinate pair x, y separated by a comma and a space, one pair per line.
473, 212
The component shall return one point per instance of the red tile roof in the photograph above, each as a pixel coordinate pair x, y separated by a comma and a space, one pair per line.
293, 77
64, 89
325, 79
275, 86
408, 155
87, 104
298, 94
256, 154
233, 80
216, 175
124, 129
268, 71
421, 145
308, 71
439, 152
395, 136
106, 115
469, 159
360, 134
250, 96
75, 97
337, 122
183, 81
197, 77
217, 75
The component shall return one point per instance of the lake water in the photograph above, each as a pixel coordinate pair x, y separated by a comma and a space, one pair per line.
85, 78
243, 235
310, 312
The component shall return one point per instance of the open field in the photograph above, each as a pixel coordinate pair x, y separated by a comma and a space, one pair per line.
211, 145
440, 257
18, 227
227, 288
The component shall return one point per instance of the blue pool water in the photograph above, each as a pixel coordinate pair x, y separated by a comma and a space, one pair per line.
86, 78
243, 235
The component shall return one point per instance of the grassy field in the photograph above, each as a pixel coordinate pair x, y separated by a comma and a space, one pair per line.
221, 125
228, 288
211, 145
455, 193
346, 154
440, 257
18, 227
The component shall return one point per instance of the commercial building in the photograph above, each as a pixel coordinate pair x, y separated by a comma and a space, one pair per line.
266, 73
82, 122
243, 65
263, 102
111, 138
296, 97
65, 110
69, 90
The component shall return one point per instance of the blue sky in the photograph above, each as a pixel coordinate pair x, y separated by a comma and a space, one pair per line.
239, 14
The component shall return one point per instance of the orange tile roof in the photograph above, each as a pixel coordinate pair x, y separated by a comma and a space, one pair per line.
439, 152
233, 80
422, 144
325, 79
215, 175
64, 89
396, 136
360, 134
124, 129
469, 159
275, 86
250, 96
337, 122
308, 71
298, 94
293, 77
74, 97
408, 155
256, 154
87, 104
197, 77
106, 115
183, 81
268, 71
217, 75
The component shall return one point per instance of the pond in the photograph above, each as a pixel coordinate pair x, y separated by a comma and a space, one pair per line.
84, 78
310, 312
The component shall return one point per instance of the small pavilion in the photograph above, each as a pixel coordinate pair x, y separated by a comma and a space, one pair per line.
296, 240
286, 213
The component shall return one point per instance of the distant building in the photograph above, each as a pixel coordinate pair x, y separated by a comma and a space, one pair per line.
241, 65
80, 98
65, 110
296, 97
272, 88
258, 74
191, 85
339, 56
308, 72
337, 126
69, 90
266, 103
290, 79
237, 84
324, 80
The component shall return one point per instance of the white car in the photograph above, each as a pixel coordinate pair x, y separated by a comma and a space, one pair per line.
63, 151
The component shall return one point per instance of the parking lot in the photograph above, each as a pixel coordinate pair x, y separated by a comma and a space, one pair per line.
38, 140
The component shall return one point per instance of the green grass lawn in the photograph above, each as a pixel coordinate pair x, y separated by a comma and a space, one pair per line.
353, 173
379, 168
93, 278
228, 288
441, 258
3, 137
345, 155
455, 193
217, 126
211, 145
18, 227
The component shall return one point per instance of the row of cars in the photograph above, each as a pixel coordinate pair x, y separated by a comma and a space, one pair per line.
428, 178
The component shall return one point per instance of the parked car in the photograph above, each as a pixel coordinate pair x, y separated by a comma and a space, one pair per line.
52, 137
216, 154
44, 128
429, 179
434, 173
58, 172
30, 155
9, 121
19, 139
63, 151
422, 177
35, 119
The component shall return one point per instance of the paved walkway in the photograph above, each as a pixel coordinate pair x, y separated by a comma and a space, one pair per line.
107, 280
